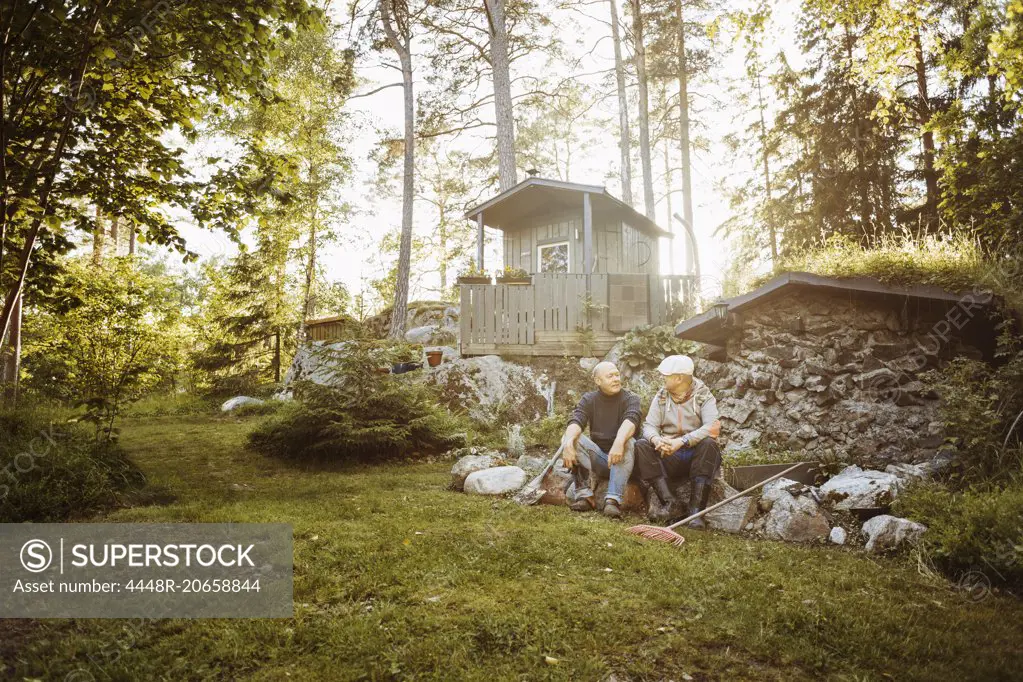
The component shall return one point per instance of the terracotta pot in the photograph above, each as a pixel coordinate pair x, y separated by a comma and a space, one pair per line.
514, 280
434, 357
474, 280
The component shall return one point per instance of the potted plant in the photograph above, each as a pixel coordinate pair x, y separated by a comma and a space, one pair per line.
434, 357
512, 275
473, 275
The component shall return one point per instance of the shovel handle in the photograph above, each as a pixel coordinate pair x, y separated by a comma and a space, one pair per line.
735, 496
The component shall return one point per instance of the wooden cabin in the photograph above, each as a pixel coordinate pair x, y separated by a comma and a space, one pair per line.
592, 273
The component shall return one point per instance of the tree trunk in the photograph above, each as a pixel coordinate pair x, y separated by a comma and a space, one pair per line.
401, 45
309, 305
442, 235
98, 239
502, 94
927, 137
644, 104
114, 236
25, 256
12, 358
277, 356
624, 138
131, 240
667, 196
684, 144
768, 209
862, 176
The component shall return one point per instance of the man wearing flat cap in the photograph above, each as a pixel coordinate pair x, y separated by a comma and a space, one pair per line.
680, 437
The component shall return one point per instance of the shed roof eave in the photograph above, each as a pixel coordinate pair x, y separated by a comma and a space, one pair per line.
707, 327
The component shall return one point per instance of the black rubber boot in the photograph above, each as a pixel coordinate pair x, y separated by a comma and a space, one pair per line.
660, 487
697, 493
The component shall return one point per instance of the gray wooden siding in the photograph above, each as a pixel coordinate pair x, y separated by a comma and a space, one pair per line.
617, 248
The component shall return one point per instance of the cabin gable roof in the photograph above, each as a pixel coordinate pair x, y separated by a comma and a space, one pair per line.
538, 196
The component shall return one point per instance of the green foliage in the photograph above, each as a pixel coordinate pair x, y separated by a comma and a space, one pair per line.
975, 529
110, 335
509, 272
363, 415
56, 471
472, 270
645, 347
546, 431
980, 407
950, 260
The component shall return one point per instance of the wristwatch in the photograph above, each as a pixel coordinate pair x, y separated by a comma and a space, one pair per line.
685, 441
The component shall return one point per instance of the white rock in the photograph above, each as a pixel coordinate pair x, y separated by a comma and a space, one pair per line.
421, 334
239, 400
470, 464
496, 481
587, 364
795, 519
907, 473
775, 489
487, 388
887, 532
837, 535
855, 488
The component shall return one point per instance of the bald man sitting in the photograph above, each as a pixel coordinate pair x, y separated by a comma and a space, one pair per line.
613, 416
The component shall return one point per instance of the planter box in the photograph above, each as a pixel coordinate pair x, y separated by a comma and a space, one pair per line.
473, 280
515, 280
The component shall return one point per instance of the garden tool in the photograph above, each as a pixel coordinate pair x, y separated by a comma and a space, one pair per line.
667, 533
532, 492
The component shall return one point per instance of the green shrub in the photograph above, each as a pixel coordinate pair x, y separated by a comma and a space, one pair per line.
980, 407
645, 347
51, 470
546, 431
969, 530
362, 415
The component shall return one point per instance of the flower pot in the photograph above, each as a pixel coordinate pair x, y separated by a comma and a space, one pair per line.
473, 280
434, 357
514, 280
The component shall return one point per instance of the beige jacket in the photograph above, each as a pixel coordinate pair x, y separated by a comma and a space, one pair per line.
693, 417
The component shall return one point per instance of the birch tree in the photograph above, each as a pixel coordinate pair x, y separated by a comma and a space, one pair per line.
394, 18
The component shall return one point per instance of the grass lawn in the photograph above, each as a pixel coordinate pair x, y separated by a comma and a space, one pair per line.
396, 577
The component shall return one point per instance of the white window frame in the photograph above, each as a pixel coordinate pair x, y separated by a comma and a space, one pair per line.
541, 247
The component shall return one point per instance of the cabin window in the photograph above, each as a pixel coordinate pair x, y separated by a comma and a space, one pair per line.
552, 257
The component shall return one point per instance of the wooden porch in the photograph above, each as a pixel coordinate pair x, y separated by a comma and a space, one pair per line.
550, 315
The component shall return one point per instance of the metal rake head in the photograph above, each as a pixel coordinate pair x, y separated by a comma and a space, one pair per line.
529, 495
658, 533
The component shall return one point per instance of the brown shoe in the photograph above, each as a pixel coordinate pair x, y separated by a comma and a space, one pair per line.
583, 504
612, 508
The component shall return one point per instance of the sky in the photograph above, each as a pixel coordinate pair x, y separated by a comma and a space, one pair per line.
356, 259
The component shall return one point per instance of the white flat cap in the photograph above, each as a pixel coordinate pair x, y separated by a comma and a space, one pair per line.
676, 364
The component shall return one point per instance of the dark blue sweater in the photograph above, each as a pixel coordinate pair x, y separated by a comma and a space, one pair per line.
605, 414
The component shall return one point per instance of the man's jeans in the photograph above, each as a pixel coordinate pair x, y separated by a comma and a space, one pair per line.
592, 459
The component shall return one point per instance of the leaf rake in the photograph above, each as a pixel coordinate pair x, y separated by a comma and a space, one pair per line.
667, 533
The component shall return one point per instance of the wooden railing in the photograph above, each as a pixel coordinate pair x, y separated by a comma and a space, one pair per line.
512, 314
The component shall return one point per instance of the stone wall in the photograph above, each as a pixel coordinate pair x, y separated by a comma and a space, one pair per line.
834, 377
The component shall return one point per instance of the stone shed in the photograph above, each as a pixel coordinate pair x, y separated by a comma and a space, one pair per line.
832, 367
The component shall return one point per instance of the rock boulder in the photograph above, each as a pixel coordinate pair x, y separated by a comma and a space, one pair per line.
856, 488
886, 532
470, 464
495, 481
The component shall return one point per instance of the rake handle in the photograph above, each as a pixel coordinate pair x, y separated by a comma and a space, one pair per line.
734, 497
547, 468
